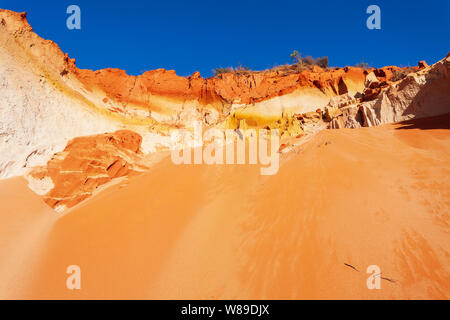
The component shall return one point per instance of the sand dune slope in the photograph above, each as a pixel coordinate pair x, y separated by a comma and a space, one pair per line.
368, 196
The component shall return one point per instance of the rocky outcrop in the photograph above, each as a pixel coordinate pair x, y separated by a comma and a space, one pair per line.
87, 163
378, 80
422, 64
371, 81
161, 96
171, 99
421, 94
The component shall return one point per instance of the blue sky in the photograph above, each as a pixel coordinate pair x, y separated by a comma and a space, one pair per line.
194, 35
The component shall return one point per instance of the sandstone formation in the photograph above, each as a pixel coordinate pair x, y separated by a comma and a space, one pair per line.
86, 163
169, 98
352, 196
424, 93
42, 88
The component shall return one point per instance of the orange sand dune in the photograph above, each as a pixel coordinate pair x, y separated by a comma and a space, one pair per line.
369, 196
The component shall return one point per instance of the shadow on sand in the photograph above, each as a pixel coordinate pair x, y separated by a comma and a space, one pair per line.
438, 122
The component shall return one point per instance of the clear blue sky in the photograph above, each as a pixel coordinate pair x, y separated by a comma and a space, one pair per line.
200, 35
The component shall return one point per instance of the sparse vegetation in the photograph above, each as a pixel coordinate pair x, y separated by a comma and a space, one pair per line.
402, 73
363, 65
299, 63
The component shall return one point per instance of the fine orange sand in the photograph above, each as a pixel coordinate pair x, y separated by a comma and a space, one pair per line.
369, 196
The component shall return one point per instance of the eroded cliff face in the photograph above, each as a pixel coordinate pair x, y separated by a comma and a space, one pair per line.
161, 96
424, 93
47, 100
341, 200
